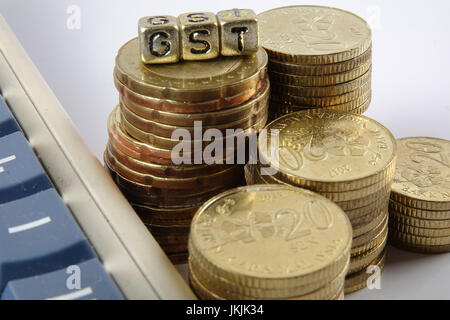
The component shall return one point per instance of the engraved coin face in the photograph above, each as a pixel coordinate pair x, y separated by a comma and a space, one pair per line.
423, 170
313, 30
186, 75
330, 147
271, 232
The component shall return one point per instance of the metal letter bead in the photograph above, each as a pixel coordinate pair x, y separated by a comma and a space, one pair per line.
239, 32
199, 36
159, 39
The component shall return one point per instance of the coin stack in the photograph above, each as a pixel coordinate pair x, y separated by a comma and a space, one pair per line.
166, 185
419, 207
269, 242
319, 58
345, 157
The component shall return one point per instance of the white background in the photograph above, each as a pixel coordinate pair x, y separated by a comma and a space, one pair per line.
411, 87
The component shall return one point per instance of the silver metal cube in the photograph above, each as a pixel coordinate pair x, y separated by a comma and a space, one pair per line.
239, 32
199, 35
159, 39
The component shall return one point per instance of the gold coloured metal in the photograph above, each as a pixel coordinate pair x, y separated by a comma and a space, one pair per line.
159, 40
420, 232
319, 81
190, 81
325, 101
334, 90
419, 213
422, 178
418, 222
330, 150
358, 280
199, 277
199, 35
151, 104
238, 32
313, 34
360, 262
321, 69
231, 174
250, 107
420, 240
263, 215
165, 130
372, 243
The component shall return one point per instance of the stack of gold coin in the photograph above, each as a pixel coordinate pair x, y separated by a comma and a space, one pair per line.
157, 151
419, 207
319, 58
345, 157
269, 242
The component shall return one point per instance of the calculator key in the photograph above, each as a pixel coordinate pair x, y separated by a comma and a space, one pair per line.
8, 124
38, 235
20, 172
84, 281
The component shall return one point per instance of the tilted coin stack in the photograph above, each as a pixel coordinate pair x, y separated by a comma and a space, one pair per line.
347, 158
269, 242
319, 58
155, 100
419, 207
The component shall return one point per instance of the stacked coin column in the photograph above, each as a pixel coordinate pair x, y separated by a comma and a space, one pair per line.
419, 207
345, 157
269, 242
167, 178
319, 58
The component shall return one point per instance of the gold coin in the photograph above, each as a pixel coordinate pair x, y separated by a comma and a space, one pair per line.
419, 240
231, 174
421, 232
319, 81
249, 108
231, 291
372, 219
339, 89
152, 196
295, 104
360, 262
278, 110
313, 34
233, 234
321, 69
166, 131
417, 222
329, 150
357, 213
365, 201
373, 243
323, 101
169, 171
419, 213
422, 177
164, 216
149, 153
333, 196
193, 81
358, 280
416, 248
365, 238
167, 144
181, 107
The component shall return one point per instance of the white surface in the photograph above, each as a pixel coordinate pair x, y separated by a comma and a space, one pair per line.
411, 89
